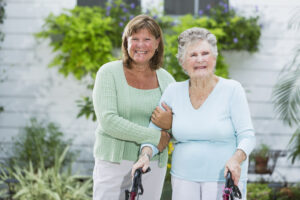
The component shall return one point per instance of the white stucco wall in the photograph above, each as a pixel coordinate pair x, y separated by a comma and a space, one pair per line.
258, 72
31, 89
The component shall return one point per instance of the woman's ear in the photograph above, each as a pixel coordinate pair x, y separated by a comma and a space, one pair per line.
157, 43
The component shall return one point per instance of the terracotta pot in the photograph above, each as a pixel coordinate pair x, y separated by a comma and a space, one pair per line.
261, 165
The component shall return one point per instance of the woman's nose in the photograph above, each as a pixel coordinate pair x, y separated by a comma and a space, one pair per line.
200, 58
140, 43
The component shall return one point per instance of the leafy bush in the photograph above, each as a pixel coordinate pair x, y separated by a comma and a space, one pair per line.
120, 13
258, 191
49, 184
40, 144
241, 33
81, 38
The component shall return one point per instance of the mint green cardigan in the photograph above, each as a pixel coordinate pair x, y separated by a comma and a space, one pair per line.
110, 97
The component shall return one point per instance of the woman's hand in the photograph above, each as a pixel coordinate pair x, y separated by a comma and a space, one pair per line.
164, 141
144, 160
162, 118
234, 165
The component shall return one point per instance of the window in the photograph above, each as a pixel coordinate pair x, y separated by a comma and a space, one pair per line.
179, 7
103, 2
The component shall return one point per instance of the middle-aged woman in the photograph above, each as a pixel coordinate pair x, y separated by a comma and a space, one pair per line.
125, 94
211, 124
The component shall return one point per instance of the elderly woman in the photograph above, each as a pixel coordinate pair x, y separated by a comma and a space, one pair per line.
125, 94
211, 124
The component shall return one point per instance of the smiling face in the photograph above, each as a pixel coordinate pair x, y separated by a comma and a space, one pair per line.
142, 46
199, 61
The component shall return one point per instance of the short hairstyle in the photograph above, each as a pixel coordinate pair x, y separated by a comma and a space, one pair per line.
192, 34
143, 22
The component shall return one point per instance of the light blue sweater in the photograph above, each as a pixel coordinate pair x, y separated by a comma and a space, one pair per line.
208, 136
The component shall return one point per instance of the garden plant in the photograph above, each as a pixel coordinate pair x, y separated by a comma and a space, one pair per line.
40, 166
39, 143
53, 183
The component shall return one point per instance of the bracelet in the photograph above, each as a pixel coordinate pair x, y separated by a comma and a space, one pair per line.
145, 154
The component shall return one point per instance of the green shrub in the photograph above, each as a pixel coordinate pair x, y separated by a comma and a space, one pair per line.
48, 184
241, 33
81, 39
120, 13
39, 143
258, 191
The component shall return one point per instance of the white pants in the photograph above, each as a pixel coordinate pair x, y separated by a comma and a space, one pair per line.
112, 179
182, 189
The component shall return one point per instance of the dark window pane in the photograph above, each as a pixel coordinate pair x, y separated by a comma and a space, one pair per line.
91, 3
179, 7
103, 2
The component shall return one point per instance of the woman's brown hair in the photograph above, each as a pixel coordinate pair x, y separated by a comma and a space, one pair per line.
143, 22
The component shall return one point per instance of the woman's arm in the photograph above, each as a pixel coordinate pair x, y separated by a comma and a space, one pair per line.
241, 118
244, 132
105, 105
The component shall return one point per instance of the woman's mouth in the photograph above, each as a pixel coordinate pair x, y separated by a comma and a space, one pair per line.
141, 52
199, 67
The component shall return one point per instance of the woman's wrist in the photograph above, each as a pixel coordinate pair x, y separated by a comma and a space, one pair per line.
146, 155
146, 151
240, 155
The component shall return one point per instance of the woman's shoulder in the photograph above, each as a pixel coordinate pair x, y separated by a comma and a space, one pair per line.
165, 75
176, 86
111, 66
230, 83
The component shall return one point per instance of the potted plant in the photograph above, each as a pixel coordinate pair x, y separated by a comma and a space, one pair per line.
261, 158
288, 193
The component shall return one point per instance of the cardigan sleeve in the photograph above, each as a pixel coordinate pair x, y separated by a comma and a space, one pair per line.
241, 119
105, 106
166, 98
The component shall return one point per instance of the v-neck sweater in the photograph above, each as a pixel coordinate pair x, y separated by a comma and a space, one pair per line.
123, 114
208, 136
